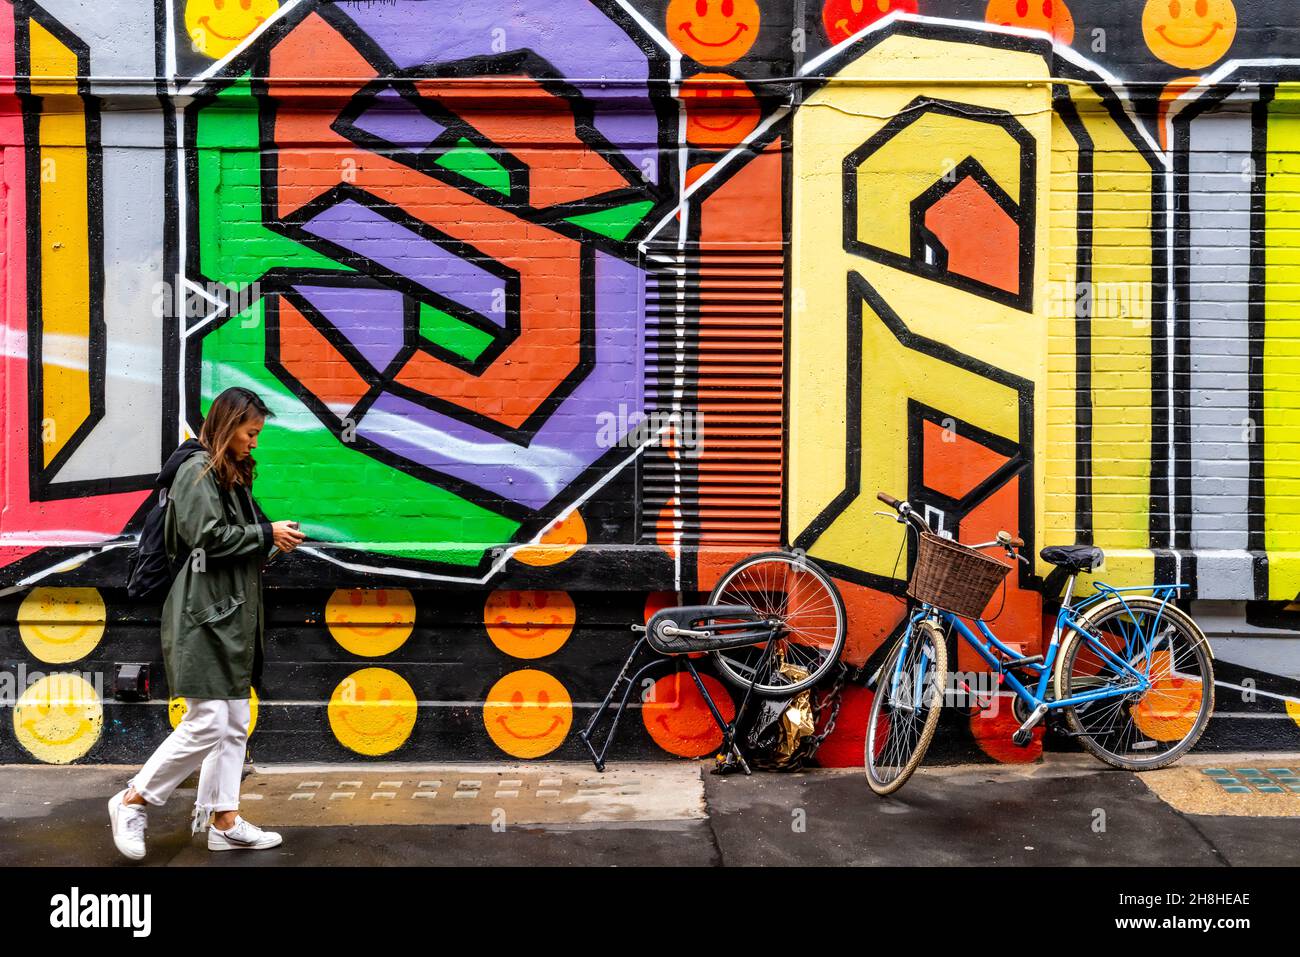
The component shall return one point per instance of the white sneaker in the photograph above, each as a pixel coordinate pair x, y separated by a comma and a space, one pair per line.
243, 836
128, 822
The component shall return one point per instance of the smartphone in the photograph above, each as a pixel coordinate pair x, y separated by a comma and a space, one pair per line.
275, 549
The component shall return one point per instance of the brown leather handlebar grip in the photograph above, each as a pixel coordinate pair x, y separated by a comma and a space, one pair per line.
888, 500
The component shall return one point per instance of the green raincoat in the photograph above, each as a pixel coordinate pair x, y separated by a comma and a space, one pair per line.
212, 629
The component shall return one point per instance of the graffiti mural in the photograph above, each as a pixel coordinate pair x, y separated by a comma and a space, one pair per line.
564, 308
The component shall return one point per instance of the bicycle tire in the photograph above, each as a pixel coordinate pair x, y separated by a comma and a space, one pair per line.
884, 784
744, 584
1201, 654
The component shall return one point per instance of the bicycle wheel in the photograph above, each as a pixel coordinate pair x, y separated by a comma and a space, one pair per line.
805, 600
902, 722
1138, 731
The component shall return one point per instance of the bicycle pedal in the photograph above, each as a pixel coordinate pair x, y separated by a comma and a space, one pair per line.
1021, 739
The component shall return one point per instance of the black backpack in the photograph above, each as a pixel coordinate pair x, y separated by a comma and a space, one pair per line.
151, 571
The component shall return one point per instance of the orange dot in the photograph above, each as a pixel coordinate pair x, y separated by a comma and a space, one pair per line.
843, 18
678, 718
713, 32
1167, 97
1189, 34
528, 713
1167, 712
529, 624
992, 730
657, 601
843, 746
695, 172
559, 543
1050, 16
720, 109
666, 528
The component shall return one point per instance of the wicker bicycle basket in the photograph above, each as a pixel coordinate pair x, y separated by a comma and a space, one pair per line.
953, 577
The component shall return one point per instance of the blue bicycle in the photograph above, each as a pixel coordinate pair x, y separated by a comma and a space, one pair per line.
1130, 674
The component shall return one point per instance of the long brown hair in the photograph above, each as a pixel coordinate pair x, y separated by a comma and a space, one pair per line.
229, 411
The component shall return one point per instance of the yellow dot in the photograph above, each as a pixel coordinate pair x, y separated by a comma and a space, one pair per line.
371, 622
59, 625
177, 707
58, 718
217, 27
372, 711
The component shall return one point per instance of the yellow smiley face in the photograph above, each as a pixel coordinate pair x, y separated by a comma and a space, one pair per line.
528, 713
216, 27
371, 622
372, 711
59, 718
59, 625
177, 707
1189, 34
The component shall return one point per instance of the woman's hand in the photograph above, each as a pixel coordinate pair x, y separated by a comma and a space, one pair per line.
286, 535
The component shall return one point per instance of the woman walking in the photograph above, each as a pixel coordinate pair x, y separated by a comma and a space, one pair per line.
212, 627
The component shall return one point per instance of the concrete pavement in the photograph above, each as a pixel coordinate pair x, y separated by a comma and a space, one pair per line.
1067, 810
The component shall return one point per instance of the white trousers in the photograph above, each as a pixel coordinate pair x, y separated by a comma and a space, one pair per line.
214, 733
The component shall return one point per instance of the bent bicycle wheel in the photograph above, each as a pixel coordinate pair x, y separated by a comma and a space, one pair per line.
802, 597
1138, 731
905, 706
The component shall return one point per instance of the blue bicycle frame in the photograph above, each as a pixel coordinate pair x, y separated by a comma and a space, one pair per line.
989, 647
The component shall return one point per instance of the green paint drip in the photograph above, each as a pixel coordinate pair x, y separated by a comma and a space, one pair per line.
615, 223
452, 334
476, 164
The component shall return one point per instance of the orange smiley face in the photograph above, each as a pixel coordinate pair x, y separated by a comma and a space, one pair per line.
713, 32
559, 543
720, 110
843, 18
528, 713
1189, 34
529, 624
679, 720
1050, 16
1169, 710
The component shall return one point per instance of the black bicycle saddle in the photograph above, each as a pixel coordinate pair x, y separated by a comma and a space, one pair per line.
1075, 558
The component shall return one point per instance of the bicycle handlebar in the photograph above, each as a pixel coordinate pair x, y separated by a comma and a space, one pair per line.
907, 513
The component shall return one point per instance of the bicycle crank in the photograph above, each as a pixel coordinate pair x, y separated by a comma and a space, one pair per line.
1025, 734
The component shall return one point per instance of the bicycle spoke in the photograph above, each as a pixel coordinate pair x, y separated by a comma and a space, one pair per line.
1130, 727
800, 599
907, 724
